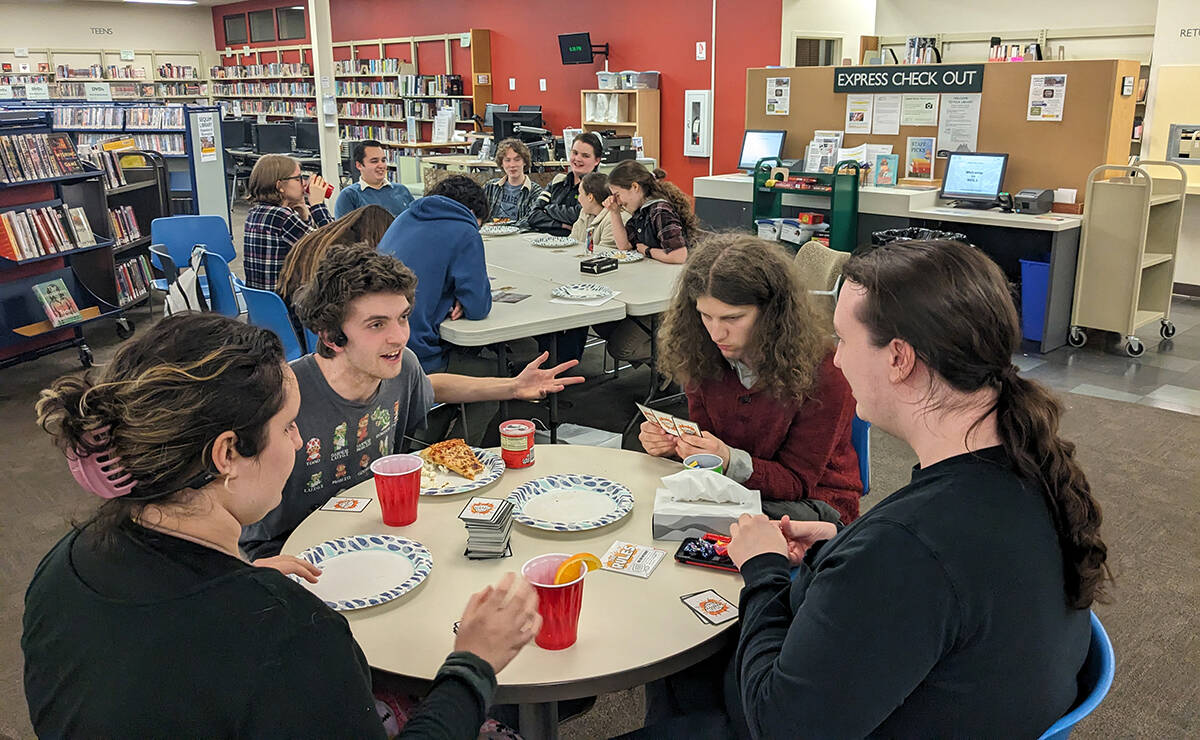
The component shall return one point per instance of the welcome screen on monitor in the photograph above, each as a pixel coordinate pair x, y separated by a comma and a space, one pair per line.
759, 144
974, 175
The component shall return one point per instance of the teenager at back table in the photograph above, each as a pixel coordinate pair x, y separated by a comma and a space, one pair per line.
757, 367
145, 621
287, 205
957, 606
510, 198
373, 187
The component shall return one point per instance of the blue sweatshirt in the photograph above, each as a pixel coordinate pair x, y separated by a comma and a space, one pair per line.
438, 239
392, 196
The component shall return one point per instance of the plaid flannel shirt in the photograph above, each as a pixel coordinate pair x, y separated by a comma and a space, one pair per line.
270, 233
528, 196
657, 225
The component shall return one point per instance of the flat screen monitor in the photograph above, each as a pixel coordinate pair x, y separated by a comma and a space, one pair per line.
235, 133
505, 123
757, 144
973, 178
308, 136
575, 48
273, 138
492, 108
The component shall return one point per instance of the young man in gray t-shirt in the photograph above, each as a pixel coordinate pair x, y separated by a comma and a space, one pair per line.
363, 386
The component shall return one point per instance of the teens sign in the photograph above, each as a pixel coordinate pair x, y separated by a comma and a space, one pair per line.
917, 78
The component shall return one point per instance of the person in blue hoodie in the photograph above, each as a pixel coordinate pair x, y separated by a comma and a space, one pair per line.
437, 237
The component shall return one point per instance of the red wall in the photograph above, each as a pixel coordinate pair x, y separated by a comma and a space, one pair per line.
643, 35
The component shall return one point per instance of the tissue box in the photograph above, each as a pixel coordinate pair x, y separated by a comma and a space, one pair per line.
678, 520
598, 265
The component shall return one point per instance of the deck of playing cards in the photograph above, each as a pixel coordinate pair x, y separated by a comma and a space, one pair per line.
489, 524
670, 424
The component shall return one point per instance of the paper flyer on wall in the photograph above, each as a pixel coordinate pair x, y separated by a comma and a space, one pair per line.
779, 95
919, 110
858, 113
1047, 95
206, 129
855, 153
886, 115
958, 126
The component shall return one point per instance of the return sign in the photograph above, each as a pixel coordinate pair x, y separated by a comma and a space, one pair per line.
916, 78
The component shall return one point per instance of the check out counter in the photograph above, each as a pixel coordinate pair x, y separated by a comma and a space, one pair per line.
724, 202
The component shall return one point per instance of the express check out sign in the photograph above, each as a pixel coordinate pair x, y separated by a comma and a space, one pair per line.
916, 78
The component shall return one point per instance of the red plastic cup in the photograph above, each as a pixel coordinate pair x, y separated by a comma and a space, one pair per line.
398, 487
558, 605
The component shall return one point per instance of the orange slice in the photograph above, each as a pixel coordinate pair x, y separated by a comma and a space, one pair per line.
567, 571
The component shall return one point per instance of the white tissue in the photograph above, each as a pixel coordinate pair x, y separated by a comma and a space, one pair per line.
705, 485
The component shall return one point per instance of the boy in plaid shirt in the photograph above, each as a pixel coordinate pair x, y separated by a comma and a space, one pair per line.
280, 216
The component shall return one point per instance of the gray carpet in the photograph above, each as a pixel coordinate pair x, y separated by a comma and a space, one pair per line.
1139, 460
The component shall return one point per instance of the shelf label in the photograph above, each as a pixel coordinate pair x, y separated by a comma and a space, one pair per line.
6, 91
37, 90
126, 55
97, 92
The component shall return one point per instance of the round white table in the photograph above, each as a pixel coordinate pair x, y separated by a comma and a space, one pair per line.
631, 630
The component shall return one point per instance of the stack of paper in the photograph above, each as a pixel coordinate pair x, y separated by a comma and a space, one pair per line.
489, 525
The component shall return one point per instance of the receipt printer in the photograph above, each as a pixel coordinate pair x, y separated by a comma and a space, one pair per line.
1032, 200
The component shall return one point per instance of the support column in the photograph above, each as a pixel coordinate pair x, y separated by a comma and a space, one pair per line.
321, 37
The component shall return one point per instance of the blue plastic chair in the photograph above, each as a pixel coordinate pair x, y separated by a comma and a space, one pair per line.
1095, 678
266, 310
180, 233
311, 340
860, 438
222, 292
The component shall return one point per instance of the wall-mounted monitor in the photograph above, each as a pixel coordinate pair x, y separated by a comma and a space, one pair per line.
575, 48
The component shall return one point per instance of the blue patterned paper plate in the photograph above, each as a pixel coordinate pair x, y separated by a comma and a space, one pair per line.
449, 483
366, 570
570, 503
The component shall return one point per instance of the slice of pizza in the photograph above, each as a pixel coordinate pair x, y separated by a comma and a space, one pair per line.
456, 455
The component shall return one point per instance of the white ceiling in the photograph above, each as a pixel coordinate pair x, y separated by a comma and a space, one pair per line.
198, 2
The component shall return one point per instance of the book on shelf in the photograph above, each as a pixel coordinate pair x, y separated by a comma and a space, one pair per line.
124, 224
37, 157
57, 302
109, 162
39, 232
133, 279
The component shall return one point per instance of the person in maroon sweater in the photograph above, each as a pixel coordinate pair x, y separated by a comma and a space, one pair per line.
758, 370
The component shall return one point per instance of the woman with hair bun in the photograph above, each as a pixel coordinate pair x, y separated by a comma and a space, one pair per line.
146, 621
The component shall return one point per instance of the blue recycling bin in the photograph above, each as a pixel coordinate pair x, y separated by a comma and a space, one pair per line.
1035, 286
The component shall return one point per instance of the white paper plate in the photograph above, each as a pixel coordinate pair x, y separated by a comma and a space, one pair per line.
620, 255
498, 229
546, 240
450, 483
366, 570
570, 503
582, 291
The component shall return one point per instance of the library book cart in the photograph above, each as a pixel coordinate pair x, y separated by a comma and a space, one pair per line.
840, 186
1126, 269
88, 272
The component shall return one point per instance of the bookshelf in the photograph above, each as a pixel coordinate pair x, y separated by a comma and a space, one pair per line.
58, 180
150, 75
276, 82
638, 114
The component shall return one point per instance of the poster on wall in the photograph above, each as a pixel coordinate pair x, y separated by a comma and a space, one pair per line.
919, 110
697, 121
919, 163
779, 96
958, 126
858, 113
206, 129
886, 115
1047, 95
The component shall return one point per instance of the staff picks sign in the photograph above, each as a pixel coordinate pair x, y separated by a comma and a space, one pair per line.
916, 78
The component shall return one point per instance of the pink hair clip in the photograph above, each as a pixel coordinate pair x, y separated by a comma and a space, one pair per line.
100, 473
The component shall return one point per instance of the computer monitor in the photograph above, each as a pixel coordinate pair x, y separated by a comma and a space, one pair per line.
235, 133
308, 136
273, 138
757, 144
492, 108
973, 179
575, 48
505, 123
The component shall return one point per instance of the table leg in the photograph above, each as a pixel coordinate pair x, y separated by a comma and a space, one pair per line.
538, 721
553, 396
502, 372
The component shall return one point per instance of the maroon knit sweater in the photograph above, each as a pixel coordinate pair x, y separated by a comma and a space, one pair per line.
799, 450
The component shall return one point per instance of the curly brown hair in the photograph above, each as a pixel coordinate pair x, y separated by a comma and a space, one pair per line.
518, 147
951, 304
787, 342
346, 272
655, 185
367, 224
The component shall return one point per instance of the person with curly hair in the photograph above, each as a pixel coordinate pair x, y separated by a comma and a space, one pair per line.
511, 197
363, 388
662, 224
741, 339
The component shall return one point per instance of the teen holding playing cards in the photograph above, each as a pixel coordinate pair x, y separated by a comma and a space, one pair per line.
145, 621
957, 606
758, 371
363, 388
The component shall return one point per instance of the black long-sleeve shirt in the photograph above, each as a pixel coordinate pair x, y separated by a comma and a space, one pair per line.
155, 636
557, 207
941, 612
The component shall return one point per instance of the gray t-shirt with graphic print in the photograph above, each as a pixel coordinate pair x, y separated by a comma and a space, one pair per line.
341, 439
